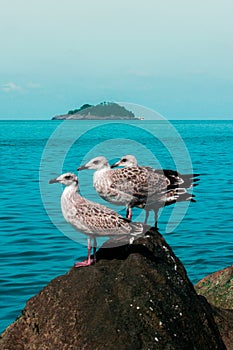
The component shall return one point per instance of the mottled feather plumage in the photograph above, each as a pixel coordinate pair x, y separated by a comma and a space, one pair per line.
140, 186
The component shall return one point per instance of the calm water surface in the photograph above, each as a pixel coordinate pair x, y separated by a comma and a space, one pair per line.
34, 250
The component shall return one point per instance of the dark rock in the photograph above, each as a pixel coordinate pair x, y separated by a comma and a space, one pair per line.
218, 288
135, 297
224, 321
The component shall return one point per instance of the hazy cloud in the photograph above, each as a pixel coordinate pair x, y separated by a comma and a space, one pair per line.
11, 87
140, 73
33, 86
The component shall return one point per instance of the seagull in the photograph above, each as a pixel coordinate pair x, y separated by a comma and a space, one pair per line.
91, 218
113, 185
139, 186
175, 179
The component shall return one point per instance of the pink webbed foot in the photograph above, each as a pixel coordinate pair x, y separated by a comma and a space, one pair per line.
84, 263
89, 260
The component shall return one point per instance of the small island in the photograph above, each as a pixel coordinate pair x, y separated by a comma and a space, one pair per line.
102, 111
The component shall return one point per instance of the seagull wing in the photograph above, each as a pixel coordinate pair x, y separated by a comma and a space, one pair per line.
138, 181
100, 220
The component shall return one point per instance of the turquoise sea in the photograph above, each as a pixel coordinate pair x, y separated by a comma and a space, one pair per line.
36, 244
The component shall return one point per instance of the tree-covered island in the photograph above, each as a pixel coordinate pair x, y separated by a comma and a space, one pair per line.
102, 111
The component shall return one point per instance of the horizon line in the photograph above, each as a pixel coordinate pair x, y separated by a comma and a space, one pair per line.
172, 119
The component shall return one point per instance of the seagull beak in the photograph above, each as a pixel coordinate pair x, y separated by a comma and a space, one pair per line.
116, 164
53, 181
83, 167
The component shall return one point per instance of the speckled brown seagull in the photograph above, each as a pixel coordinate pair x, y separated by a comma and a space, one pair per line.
138, 186
91, 218
176, 188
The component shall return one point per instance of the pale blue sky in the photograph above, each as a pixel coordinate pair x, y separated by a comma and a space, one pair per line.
174, 56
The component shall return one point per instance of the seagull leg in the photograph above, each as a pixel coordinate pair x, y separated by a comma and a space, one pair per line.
89, 261
146, 217
94, 250
156, 218
89, 251
129, 213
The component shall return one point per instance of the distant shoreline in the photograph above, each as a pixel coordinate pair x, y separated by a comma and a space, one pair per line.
91, 117
136, 119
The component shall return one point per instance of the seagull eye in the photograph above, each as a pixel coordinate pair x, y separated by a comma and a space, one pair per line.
68, 177
96, 162
124, 160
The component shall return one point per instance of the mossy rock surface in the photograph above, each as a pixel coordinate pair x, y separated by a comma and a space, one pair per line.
217, 288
